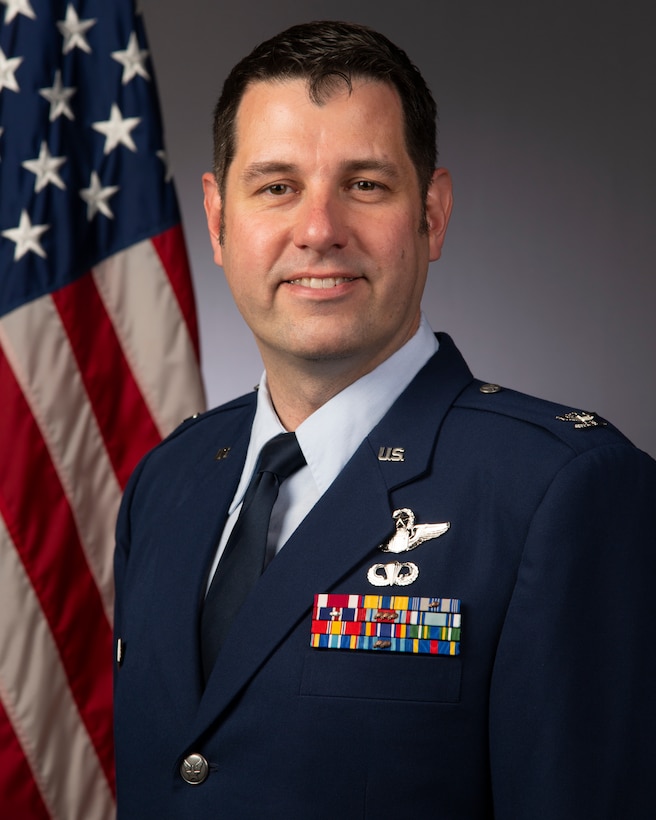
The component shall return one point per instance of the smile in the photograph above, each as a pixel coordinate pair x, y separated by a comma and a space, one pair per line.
320, 283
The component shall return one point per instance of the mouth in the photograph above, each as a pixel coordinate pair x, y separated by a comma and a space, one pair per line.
321, 283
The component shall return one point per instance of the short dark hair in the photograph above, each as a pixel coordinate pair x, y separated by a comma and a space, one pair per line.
327, 53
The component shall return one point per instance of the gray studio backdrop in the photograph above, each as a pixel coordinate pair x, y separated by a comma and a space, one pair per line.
548, 126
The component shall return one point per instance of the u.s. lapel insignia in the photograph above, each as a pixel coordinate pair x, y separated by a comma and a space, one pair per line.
583, 420
407, 536
391, 454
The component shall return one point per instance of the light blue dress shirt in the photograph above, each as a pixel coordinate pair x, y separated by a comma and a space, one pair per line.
328, 438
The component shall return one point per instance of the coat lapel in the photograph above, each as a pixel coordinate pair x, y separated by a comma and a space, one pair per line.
185, 552
343, 530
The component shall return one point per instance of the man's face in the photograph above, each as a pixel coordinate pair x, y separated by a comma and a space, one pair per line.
323, 249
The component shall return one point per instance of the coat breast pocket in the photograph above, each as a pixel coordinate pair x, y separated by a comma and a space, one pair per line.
384, 647
390, 676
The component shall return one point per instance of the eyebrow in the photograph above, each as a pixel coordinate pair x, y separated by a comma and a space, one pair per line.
387, 169
261, 169
257, 170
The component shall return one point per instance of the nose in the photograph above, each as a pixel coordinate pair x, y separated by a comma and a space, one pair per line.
320, 222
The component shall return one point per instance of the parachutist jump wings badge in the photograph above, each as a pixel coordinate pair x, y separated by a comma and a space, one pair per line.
407, 536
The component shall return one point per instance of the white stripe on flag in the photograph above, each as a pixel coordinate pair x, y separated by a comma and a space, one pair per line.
144, 310
50, 381
45, 718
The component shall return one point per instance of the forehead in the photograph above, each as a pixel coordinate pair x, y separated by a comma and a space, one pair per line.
278, 113
333, 89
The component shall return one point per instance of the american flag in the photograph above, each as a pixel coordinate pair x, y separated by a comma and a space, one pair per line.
98, 361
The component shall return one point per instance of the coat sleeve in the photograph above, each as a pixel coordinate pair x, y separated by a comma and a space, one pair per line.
573, 691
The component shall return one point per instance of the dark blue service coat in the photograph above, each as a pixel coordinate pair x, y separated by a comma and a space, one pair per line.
547, 713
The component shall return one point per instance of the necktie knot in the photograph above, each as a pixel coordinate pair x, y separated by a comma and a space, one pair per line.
281, 456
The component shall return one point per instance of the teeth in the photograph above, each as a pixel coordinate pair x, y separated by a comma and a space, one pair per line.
328, 282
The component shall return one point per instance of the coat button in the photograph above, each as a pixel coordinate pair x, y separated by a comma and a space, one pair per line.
490, 388
194, 769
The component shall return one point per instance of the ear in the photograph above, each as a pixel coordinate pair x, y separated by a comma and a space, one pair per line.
439, 202
213, 209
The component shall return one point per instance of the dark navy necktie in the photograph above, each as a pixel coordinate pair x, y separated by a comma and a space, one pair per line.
244, 557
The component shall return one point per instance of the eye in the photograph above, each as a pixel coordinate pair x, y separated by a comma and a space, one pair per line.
366, 185
278, 189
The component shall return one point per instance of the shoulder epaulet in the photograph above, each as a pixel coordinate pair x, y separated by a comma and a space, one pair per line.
223, 409
581, 429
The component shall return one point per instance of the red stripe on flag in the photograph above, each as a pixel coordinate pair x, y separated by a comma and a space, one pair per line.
113, 391
172, 251
41, 525
20, 796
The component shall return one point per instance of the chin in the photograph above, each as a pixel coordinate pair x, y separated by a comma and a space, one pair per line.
323, 352
323, 344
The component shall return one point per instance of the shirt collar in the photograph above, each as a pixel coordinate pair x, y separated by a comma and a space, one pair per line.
330, 436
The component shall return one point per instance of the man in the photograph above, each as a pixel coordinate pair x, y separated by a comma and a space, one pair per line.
456, 615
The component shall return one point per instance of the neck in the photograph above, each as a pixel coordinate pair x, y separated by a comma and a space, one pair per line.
297, 391
299, 386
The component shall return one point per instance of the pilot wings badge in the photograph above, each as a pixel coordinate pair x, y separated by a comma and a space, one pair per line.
407, 536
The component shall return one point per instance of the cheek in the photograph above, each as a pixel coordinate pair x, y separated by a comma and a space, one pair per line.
397, 239
246, 275
257, 245
235, 270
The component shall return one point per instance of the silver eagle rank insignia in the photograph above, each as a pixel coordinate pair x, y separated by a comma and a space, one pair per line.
583, 419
